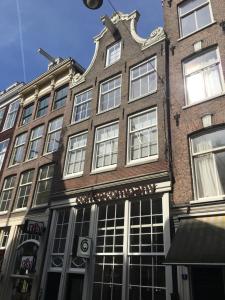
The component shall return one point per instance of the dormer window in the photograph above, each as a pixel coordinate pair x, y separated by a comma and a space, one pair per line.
113, 54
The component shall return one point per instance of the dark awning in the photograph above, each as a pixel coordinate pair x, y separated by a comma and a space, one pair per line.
198, 241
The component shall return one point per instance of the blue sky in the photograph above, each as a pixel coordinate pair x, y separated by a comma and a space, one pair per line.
61, 27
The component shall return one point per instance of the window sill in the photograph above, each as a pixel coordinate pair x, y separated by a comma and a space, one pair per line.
104, 169
106, 67
143, 96
203, 101
141, 162
19, 209
39, 206
192, 33
80, 121
208, 200
3, 212
72, 176
104, 111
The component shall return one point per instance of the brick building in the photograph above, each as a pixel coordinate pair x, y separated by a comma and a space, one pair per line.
28, 171
195, 30
114, 179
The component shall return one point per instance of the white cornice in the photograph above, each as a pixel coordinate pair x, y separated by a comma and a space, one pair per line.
156, 36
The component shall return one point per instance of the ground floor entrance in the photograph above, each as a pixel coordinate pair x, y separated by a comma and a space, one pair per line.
207, 283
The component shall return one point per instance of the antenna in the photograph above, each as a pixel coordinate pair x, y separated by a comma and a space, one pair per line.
46, 55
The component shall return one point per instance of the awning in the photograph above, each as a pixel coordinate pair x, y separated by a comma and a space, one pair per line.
198, 241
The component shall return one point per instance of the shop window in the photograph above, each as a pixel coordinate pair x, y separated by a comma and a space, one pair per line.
44, 184
3, 148
27, 114
208, 156
194, 15
106, 146
113, 53
42, 106
60, 97
35, 142
11, 115
82, 106
53, 135
143, 79
110, 94
7, 191
24, 190
75, 155
203, 77
18, 149
143, 136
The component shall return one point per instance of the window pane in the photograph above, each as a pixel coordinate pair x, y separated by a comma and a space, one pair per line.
203, 16
188, 24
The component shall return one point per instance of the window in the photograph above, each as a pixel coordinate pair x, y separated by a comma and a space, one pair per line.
82, 106
11, 115
18, 150
76, 154
110, 94
44, 184
194, 15
7, 191
26, 180
27, 114
143, 136
208, 155
203, 77
2, 111
53, 136
106, 146
4, 235
35, 142
3, 148
113, 54
42, 106
60, 97
143, 79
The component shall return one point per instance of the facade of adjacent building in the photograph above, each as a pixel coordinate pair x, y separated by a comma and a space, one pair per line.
114, 182
28, 171
195, 30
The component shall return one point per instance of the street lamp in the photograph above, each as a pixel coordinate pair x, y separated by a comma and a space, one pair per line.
93, 4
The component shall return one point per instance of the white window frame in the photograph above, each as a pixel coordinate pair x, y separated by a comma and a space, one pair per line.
16, 147
199, 154
26, 185
6, 190
11, 115
51, 132
107, 64
154, 58
62, 98
109, 91
144, 159
207, 3
2, 154
4, 237
94, 160
26, 118
46, 97
81, 104
202, 71
46, 179
68, 151
2, 112
33, 140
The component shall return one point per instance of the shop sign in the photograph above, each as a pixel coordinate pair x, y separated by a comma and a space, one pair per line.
33, 227
27, 263
84, 247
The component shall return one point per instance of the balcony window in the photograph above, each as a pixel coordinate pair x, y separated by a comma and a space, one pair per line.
24, 190
19, 149
208, 156
42, 106
203, 77
27, 114
11, 115
194, 15
60, 97
143, 136
7, 191
110, 94
82, 106
75, 156
143, 79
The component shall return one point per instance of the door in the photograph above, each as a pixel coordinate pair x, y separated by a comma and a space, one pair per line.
207, 283
74, 287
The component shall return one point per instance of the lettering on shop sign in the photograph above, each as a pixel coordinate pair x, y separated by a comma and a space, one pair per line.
33, 227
